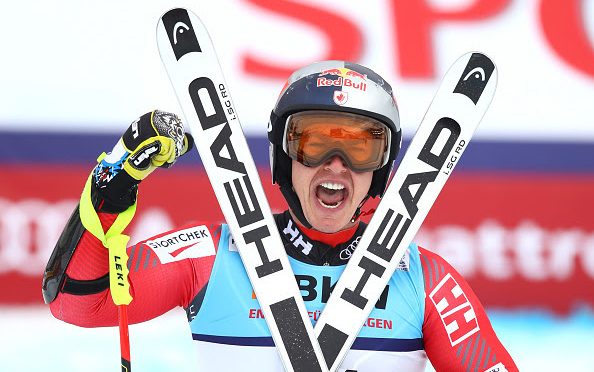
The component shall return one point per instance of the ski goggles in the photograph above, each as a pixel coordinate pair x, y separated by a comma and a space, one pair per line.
313, 137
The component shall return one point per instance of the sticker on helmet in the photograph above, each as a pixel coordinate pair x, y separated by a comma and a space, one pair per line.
340, 97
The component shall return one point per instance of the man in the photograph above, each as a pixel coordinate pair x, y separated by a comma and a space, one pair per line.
334, 134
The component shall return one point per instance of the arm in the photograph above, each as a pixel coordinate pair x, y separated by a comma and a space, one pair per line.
75, 281
456, 330
160, 279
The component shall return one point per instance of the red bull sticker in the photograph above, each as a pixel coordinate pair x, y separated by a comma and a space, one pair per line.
346, 78
332, 71
344, 72
356, 74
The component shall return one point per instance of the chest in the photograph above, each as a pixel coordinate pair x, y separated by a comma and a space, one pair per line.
230, 320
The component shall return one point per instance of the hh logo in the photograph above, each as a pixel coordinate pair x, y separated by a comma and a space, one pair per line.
296, 238
456, 312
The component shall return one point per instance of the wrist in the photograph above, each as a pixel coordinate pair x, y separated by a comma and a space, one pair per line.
113, 195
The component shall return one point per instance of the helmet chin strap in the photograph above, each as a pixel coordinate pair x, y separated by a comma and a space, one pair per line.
294, 204
358, 210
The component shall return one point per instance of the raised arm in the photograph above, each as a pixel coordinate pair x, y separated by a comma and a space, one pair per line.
76, 283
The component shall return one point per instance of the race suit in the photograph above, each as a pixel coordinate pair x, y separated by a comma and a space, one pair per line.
427, 310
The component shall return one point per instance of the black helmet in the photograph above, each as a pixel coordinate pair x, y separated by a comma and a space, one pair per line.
332, 86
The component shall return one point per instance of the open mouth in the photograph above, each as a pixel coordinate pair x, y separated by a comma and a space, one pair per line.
331, 194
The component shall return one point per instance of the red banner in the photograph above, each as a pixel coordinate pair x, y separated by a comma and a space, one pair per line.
521, 241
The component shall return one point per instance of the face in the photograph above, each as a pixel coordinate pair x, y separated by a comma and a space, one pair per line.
329, 193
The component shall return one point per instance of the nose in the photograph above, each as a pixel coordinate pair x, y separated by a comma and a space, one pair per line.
336, 164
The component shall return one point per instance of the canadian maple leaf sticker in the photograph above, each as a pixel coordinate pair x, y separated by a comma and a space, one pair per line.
340, 97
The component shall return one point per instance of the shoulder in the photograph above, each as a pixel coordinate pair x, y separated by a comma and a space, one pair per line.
432, 263
455, 320
438, 274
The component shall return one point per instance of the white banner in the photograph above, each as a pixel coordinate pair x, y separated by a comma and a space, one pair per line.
93, 66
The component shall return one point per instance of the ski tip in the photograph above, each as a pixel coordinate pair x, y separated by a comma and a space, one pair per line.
180, 14
177, 29
480, 59
477, 71
173, 11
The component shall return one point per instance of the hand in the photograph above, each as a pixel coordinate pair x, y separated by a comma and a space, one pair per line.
156, 139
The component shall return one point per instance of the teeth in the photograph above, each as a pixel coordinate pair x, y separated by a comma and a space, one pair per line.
332, 186
330, 206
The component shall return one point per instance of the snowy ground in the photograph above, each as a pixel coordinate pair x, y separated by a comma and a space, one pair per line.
33, 341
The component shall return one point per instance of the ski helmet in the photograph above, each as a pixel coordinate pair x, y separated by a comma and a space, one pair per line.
332, 86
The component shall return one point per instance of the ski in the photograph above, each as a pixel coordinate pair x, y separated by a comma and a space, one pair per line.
458, 106
193, 68
444, 133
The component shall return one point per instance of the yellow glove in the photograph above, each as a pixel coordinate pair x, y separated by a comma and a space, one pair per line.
156, 139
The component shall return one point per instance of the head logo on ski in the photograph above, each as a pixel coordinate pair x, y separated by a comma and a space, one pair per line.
475, 77
180, 32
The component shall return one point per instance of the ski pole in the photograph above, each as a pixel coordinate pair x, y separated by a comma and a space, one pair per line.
116, 243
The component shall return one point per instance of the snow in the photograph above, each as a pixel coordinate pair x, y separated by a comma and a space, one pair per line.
34, 341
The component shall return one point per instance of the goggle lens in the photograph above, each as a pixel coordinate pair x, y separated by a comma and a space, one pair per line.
312, 137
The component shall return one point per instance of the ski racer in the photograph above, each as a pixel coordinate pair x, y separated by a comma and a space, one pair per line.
334, 135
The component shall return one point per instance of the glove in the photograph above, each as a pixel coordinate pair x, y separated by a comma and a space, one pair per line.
156, 139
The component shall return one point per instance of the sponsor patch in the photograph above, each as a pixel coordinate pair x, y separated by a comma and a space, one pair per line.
342, 77
456, 312
293, 234
344, 72
340, 97
347, 252
341, 82
499, 367
179, 245
404, 261
135, 132
141, 160
232, 246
